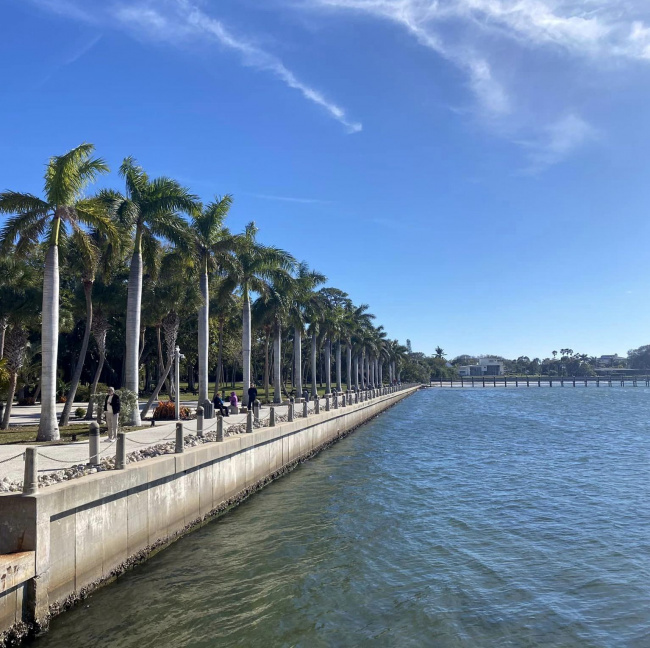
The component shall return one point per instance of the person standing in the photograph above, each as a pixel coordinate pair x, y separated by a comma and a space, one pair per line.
112, 410
252, 396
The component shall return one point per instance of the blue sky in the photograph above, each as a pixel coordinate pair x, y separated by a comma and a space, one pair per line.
475, 170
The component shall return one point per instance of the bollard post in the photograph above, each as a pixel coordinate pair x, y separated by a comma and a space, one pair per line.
199, 421
356, 397
120, 451
219, 426
30, 476
93, 443
316, 404
272, 416
249, 422
305, 408
290, 410
335, 400
256, 410
179, 438
327, 402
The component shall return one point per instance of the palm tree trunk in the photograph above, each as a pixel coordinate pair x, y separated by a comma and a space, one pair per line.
65, 415
204, 315
48, 430
10, 400
218, 377
246, 345
328, 366
338, 366
266, 366
314, 344
143, 330
348, 354
277, 364
356, 372
133, 307
156, 391
297, 359
4, 322
93, 391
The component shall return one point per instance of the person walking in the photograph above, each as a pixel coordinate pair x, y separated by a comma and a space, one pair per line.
112, 410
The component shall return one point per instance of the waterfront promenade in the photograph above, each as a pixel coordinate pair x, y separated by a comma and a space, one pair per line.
61, 541
53, 458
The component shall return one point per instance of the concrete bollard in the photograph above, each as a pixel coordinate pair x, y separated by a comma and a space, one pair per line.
356, 397
249, 422
305, 409
93, 443
256, 411
199, 421
180, 443
271, 416
30, 476
327, 402
335, 400
290, 409
120, 451
316, 404
219, 427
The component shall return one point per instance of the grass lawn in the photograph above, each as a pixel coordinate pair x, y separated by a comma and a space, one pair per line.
27, 434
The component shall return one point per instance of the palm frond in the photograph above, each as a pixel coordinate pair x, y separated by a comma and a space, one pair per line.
67, 175
14, 202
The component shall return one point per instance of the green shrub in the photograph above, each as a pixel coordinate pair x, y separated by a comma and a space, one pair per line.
128, 402
80, 412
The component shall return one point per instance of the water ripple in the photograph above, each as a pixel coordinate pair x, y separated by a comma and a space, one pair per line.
461, 518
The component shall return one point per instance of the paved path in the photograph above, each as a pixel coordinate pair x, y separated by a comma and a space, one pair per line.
57, 457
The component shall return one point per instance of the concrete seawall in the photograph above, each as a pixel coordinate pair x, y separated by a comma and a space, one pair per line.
60, 544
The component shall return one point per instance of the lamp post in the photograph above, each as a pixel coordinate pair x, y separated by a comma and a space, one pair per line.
177, 377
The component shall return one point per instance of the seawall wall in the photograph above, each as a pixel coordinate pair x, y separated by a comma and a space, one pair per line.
59, 544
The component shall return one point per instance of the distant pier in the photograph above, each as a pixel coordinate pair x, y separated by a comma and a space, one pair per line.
542, 381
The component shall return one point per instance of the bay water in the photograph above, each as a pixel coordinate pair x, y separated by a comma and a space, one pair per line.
459, 518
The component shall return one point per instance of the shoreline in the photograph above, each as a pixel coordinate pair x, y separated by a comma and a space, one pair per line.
147, 507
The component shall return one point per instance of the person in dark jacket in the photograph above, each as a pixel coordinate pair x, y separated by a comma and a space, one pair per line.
252, 396
219, 405
112, 410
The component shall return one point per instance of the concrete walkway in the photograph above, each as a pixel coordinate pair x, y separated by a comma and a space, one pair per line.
57, 457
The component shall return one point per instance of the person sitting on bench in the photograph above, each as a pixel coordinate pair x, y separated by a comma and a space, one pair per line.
219, 405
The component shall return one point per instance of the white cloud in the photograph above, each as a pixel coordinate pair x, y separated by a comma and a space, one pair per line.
558, 141
180, 22
486, 40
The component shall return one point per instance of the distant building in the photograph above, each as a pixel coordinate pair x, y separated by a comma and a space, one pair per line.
484, 367
611, 361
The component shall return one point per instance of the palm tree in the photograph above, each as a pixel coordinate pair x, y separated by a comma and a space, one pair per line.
150, 208
94, 254
440, 352
66, 178
303, 298
271, 309
16, 344
175, 292
214, 246
256, 266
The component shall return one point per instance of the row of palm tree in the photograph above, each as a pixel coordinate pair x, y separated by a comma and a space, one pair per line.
178, 250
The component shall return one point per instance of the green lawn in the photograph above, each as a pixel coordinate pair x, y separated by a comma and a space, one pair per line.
27, 434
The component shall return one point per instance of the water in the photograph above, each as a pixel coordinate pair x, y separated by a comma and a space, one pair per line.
458, 518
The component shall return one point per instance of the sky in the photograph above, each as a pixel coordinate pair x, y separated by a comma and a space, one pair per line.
474, 170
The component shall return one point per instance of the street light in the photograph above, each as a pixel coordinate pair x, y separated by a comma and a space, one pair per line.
177, 371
